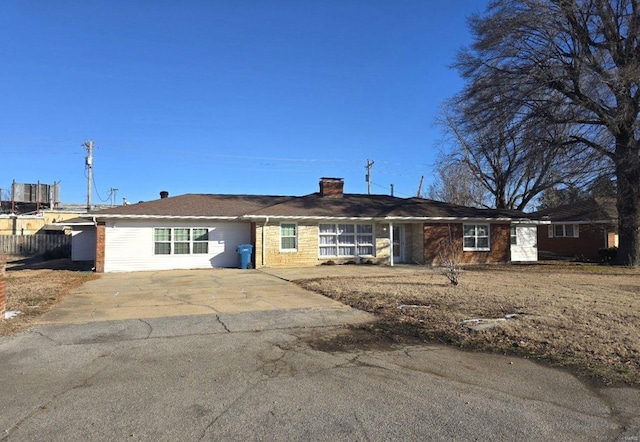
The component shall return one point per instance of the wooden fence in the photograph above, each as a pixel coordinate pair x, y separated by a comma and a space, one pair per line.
56, 246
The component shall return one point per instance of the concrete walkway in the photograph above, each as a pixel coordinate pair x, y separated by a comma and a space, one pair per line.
137, 295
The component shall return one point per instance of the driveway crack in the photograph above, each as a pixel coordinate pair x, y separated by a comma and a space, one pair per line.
149, 326
222, 324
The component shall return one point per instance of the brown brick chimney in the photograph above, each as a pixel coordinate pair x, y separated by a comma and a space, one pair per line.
331, 187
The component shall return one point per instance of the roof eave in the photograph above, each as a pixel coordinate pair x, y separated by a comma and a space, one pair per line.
171, 217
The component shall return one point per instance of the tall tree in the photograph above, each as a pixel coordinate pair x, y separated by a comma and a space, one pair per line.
510, 160
454, 183
573, 64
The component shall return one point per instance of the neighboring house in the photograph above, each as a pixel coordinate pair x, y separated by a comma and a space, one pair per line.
43, 221
203, 231
579, 230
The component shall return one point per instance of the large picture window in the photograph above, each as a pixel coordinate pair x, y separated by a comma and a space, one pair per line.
346, 240
476, 237
180, 241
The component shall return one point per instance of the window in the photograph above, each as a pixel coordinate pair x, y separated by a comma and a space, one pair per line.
288, 237
476, 237
563, 231
180, 241
514, 236
200, 241
162, 238
345, 240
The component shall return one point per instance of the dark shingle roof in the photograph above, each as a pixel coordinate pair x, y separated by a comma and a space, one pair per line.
589, 210
377, 206
202, 205
313, 205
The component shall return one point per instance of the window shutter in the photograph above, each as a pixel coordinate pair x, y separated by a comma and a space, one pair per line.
550, 231
576, 232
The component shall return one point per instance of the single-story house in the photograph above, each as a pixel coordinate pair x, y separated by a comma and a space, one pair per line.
204, 230
580, 229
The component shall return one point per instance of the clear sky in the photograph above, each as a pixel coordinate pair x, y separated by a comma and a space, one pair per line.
215, 96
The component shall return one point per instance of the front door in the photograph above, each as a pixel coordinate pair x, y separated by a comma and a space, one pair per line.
398, 244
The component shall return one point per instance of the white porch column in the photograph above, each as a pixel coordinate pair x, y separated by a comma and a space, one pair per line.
390, 243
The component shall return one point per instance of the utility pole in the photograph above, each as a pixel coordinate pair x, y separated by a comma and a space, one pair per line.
368, 177
391, 189
89, 163
419, 194
112, 195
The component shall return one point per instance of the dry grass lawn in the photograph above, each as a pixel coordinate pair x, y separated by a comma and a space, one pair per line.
583, 317
34, 290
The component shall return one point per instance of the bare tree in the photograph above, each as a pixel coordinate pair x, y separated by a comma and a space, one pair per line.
570, 64
455, 183
449, 257
509, 161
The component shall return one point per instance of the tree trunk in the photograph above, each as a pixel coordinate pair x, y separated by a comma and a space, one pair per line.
628, 177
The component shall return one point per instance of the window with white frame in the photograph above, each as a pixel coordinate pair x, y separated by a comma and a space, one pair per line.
476, 237
513, 235
180, 241
288, 237
563, 231
345, 240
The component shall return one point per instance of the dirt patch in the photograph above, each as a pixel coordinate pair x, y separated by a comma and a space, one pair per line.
585, 318
36, 288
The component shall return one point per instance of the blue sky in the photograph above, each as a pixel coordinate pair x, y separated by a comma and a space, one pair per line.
257, 97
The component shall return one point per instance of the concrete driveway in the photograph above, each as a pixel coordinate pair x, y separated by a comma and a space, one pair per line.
243, 355
138, 295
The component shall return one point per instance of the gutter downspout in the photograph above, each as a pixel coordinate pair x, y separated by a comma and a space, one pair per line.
264, 241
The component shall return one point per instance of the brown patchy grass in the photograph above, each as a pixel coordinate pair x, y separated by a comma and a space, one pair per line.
585, 318
33, 290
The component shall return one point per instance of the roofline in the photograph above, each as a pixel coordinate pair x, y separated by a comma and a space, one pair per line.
114, 216
322, 218
569, 221
391, 218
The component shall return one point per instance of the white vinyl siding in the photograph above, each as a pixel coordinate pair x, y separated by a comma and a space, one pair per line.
525, 247
83, 244
131, 245
476, 237
345, 240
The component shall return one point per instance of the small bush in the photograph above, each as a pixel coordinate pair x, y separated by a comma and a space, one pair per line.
608, 255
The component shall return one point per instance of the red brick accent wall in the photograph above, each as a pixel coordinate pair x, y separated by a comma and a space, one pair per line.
3, 287
100, 236
591, 238
435, 236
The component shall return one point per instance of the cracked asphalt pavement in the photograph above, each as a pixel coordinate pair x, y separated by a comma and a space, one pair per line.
280, 370
213, 377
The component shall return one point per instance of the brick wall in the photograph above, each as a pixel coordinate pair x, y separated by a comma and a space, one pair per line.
3, 287
436, 235
307, 251
591, 238
100, 245
305, 255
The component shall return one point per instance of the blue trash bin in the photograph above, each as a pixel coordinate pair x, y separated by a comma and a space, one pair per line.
245, 251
